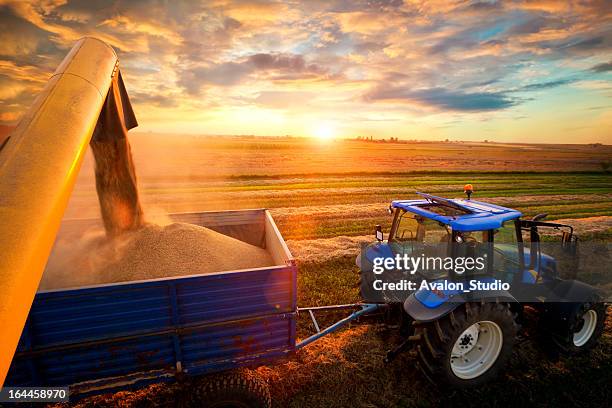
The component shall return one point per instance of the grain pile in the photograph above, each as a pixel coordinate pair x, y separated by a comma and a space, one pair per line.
152, 251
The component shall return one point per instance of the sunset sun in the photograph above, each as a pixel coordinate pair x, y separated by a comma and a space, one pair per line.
324, 131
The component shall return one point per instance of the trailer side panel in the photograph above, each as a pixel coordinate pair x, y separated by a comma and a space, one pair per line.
103, 336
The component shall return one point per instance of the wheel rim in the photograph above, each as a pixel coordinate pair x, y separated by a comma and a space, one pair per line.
589, 322
476, 350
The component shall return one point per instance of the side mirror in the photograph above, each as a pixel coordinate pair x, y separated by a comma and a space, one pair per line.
539, 217
569, 243
566, 237
379, 233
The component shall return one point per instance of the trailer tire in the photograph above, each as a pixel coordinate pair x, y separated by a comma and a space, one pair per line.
240, 389
438, 359
584, 327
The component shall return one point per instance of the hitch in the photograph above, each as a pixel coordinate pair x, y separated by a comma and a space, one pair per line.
400, 348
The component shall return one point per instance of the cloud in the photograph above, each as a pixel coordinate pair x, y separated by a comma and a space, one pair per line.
264, 61
274, 67
155, 99
547, 85
370, 46
445, 99
23, 73
479, 84
347, 6
18, 37
225, 74
535, 24
375, 57
9, 89
586, 44
284, 99
482, 6
125, 24
603, 67
460, 99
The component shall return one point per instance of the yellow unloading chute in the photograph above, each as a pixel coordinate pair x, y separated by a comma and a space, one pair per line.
38, 167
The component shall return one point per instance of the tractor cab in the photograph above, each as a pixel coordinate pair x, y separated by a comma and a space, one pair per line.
442, 227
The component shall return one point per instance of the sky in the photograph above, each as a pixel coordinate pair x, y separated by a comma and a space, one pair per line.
534, 71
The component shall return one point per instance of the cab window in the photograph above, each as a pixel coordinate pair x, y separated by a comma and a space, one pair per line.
436, 238
506, 251
474, 245
412, 227
407, 227
434, 232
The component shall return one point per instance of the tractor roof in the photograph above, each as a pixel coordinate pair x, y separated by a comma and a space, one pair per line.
459, 214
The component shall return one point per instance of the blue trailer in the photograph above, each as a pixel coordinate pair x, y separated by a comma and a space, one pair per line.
113, 336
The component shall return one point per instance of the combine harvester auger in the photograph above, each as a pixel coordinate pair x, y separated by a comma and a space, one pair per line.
39, 163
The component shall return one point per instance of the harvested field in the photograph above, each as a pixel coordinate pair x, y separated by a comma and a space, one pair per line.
325, 249
152, 251
243, 156
326, 201
322, 203
589, 226
293, 173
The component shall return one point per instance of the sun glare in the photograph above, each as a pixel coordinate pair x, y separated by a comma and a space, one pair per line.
324, 131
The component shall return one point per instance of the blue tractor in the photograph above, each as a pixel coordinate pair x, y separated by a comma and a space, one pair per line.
464, 320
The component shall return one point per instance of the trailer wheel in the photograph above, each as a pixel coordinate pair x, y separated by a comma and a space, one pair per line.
467, 347
238, 389
585, 325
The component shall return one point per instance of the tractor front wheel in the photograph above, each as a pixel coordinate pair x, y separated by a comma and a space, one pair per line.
467, 347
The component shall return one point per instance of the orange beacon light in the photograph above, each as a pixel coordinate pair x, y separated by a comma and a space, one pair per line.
468, 190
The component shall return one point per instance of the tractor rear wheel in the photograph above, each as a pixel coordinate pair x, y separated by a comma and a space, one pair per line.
585, 325
237, 389
467, 347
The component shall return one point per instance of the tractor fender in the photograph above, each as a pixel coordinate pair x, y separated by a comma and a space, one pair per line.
572, 291
422, 313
